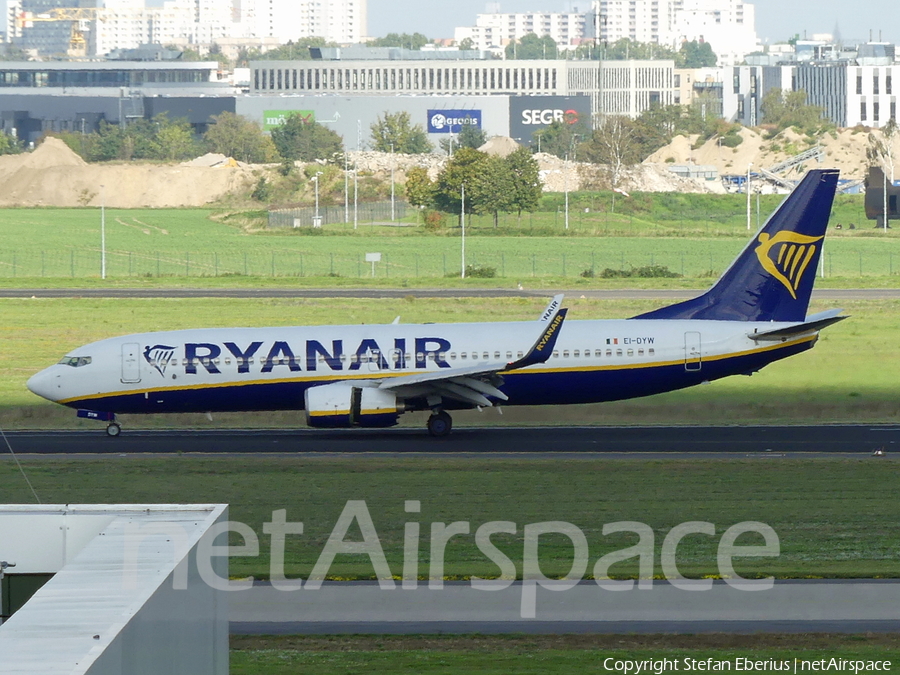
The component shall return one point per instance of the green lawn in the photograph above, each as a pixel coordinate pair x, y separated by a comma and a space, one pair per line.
563, 654
40, 244
829, 513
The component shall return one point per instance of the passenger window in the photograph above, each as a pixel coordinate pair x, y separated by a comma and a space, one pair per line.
630, 352
651, 351
496, 355
521, 355
565, 353
640, 352
556, 354
420, 356
618, 352
509, 355
598, 353
486, 356
576, 353
452, 356
463, 355
609, 352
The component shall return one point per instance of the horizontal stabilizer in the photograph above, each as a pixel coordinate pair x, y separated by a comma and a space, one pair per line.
813, 323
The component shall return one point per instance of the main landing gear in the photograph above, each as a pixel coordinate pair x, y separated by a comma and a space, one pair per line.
439, 424
113, 429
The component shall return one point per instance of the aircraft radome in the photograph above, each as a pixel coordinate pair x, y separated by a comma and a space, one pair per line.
367, 376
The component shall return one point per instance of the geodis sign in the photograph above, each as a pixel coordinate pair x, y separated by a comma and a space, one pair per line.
528, 114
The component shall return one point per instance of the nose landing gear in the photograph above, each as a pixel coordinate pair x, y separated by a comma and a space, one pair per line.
440, 424
113, 429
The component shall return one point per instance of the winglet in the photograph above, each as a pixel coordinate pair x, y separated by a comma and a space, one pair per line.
544, 345
552, 308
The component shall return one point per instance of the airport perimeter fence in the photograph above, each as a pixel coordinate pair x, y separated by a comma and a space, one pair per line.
368, 213
404, 264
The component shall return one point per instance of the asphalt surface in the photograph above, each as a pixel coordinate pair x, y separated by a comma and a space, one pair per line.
817, 606
764, 441
610, 294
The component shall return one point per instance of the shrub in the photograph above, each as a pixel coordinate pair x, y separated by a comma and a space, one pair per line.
434, 220
481, 272
645, 272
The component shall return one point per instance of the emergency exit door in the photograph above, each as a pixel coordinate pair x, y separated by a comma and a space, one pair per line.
131, 363
692, 357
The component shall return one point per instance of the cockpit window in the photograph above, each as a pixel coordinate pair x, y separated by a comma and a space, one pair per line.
75, 361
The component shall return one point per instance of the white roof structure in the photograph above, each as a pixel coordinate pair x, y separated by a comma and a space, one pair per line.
127, 595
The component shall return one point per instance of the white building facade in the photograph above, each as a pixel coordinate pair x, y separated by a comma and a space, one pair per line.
492, 32
727, 25
127, 24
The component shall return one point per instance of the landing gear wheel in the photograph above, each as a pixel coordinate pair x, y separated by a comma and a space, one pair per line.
440, 424
113, 430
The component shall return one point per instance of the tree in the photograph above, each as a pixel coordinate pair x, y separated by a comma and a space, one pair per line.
533, 47
526, 189
462, 169
238, 137
784, 109
292, 50
471, 136
466, 45
306, 141
419, 187
415, 41
625, 48
695, 55
560, 138
395, 133
175, 139
8, 145
614, 145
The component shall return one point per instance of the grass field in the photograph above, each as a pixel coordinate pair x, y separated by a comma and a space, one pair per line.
830, 514
163, 243
565, 654
842, 379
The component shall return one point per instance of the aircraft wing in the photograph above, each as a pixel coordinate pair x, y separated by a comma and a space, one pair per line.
812, 324
474, 383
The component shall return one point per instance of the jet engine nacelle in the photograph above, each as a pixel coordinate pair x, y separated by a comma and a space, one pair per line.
342, 405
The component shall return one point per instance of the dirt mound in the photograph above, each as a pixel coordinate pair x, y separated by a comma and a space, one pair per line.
53, 175
844, 149
500, 146
52, 152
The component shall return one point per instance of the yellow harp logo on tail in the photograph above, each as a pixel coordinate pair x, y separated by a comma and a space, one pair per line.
786, 257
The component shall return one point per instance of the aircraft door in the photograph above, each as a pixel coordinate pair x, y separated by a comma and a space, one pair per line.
692, 356
131, 363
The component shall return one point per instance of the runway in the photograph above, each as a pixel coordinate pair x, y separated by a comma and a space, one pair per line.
399, 293
644, 442
804, 606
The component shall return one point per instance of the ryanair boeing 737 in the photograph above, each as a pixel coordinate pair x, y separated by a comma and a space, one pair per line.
367, 376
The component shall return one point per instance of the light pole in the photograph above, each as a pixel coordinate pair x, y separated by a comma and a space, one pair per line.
393, 210
356, 196
346, 189
316, 181
462, 222
747, 187
102, 232
566, 184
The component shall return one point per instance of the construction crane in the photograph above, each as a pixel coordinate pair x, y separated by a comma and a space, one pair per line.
80, 17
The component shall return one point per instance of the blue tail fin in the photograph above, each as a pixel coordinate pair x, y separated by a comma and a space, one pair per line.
772, 278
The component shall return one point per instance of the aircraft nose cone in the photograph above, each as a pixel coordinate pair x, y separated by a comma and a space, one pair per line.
45, 384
